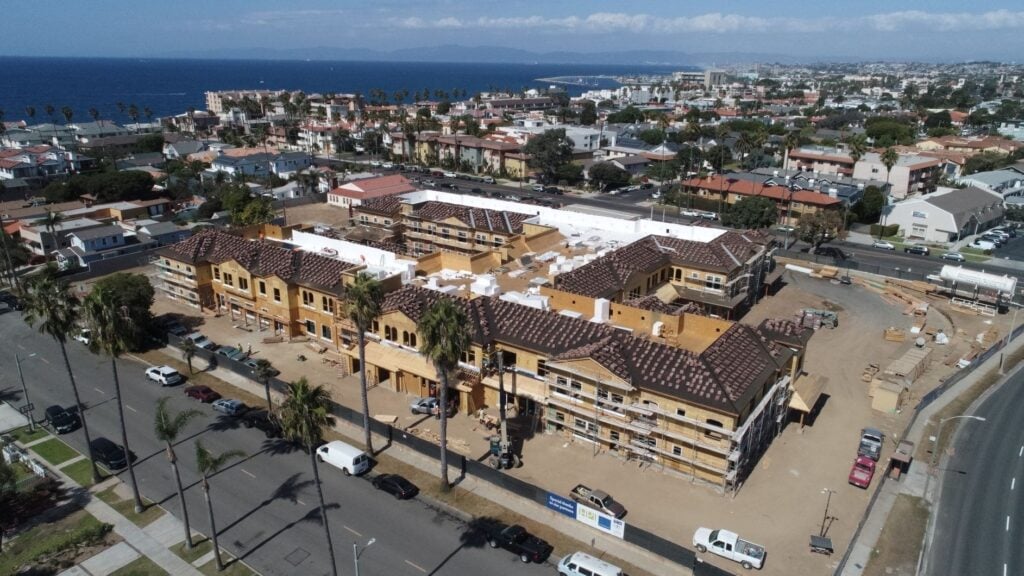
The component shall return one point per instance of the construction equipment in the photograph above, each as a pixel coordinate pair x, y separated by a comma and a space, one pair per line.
828, 318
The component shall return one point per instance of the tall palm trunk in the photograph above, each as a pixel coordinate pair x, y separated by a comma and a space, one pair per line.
323, 509
213, 525
124, 438
173, 459
367, 440
81, 413
443, 412
7, 256
266, 388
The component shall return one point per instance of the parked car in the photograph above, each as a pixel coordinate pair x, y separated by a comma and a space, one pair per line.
553, 190
251, 363
61, 419
517, 540
598, 500
917, 249
264, 421
164, 375
204, 394
175, 327
229, 406
511, 198
871, 441
537, 188
831, 252
84, 336
707, 215
997, 240
884, 245
983, 245
395, 485
476, 191
428, 405
488, 180
953, 257
729, 545
348, 458
201, 341
583, 564
785, 228
109, 454
862, 472
231, 352
450, 175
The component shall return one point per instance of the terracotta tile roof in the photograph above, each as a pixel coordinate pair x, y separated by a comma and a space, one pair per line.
724, 377
386, 205
654, 304
785, 331
374, 187
475, 218
718, 183
607, 275
261, 258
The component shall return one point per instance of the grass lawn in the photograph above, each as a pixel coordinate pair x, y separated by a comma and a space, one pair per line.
54, 451
77, 528
142, 566
81, 472
900, 543
127, 508
24, 436
201, 547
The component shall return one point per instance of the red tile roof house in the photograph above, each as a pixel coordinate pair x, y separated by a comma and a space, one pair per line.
352, 194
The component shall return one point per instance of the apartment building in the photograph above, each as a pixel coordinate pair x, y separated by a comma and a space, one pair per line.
820, 159
707, 414
790, 201
912, 174
439, 226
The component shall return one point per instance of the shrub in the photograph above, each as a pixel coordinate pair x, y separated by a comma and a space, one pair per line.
885, 231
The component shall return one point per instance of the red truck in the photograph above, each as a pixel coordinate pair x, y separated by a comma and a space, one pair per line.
862, 472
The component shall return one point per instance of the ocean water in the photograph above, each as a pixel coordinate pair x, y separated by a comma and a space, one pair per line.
172, 86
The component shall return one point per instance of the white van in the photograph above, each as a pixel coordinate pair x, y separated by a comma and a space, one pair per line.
350, 459
582, 564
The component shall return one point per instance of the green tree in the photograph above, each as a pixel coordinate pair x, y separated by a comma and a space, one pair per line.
50, 305
719, 155
264, 371
754, 212
663, 171
940, 119
444, 107
548, 152
150, 143
209, 464
258, 210
857, 145
364, 298
628, 115
110, 327
588, 115
188, 352
168, 426
652, 136
444, 330
303, 415
608, 176
869, 207
132, 293
889, 158
8, 495
816, 228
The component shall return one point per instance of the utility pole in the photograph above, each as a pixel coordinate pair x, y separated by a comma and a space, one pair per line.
24, 391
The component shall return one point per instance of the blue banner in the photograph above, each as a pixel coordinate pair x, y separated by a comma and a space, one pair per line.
562, 505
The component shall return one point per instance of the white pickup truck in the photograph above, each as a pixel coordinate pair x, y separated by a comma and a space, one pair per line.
729, 545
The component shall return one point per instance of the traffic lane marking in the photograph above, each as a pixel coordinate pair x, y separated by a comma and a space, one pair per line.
416, 566
247, 473
130, 408
352, 531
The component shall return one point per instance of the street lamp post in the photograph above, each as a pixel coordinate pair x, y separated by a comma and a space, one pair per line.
356, 552
828, 502
935, 446
1009, 337
24, 391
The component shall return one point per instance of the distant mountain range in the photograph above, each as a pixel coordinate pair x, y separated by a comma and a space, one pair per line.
489, 55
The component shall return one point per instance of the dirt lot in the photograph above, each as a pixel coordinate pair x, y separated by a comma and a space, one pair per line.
787, 487
332, 216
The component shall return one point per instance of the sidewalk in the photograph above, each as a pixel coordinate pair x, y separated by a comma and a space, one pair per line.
861, 549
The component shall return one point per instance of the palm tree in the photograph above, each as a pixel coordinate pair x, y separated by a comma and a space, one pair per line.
50, 223
110, 327
889, 158
49, 112
792, 140
133, 113
445, 334
67, 113
303, 416
857, 145
95, 115
49, 304
209, 464
263, 371
188, 351
30, 111
364, 298
167, 427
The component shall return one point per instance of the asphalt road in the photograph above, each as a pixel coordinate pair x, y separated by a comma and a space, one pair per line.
980, 522
265, 504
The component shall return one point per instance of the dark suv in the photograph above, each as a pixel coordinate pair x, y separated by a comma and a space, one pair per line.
919, 250
61, 419
262, 420
109, 454
831, 252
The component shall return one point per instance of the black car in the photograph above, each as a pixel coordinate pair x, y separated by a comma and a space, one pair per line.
262, 420
12, 300
395, 485
831, 252
517, 540
109, 454
61, 419
553, 190
919, 250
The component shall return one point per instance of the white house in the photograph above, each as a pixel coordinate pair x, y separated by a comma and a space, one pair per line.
947, 215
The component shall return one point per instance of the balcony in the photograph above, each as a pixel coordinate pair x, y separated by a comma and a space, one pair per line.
179, 278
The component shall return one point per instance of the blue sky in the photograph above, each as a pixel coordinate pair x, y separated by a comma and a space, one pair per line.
934, 30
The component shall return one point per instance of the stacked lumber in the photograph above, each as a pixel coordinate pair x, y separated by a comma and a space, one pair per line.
894, 334
829, 272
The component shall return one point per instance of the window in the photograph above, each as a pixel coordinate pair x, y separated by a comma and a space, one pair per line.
576, 387
243, 283
713, 282
325, 332
376, 327
412, 339
634, 293
390, 333
560, 416
614, 435
310, 327
542, 368
680, 412
307, 298
327, 304
277, 294
481, 238
469, 356
498, 240
677, 450
263, 288
712, 433
228, 280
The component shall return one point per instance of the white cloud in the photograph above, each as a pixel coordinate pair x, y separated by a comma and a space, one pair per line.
720, 23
